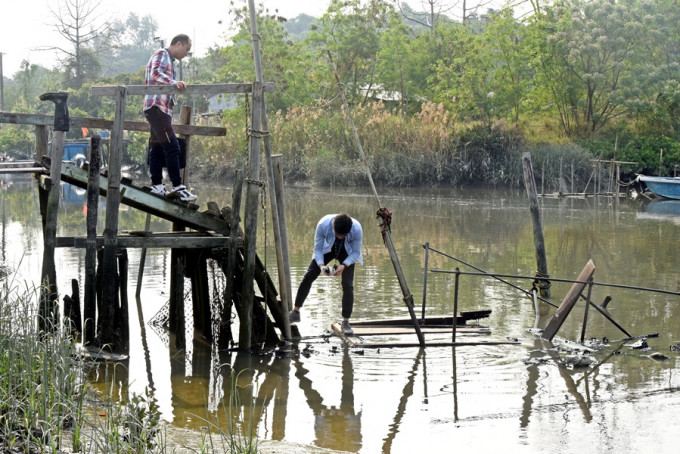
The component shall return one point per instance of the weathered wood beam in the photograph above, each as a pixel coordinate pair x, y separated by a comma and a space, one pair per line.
206, 89
78, 122
169, 241
569, 301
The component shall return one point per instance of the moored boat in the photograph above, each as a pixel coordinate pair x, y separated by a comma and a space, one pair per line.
668, 187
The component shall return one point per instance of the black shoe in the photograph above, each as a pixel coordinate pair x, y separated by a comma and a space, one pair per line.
347, 329
294, 316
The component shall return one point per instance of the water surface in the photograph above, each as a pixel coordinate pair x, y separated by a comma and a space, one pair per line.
511, 398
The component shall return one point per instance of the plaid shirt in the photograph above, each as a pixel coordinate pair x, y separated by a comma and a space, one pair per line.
160, 71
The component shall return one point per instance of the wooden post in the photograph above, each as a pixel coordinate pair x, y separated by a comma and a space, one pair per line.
176, 320
585, 313
185, 119
455, 305
72, 319
234, 232
251, 209
90, 296
200, 291
48, 293
111, 223
41, 142
177, 267
539, 243
425, 268
123, 317
542, 177
284, 290
142, 258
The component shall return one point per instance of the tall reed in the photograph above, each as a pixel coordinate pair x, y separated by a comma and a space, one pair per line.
41, 378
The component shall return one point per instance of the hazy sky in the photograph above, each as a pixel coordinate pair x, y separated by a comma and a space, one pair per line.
28, 25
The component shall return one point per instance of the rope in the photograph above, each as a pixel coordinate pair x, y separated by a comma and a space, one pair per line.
542, 281
386, 216
257, 134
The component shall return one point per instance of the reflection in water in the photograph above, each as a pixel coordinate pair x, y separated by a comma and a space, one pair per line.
333, 427
403, 400
469, 397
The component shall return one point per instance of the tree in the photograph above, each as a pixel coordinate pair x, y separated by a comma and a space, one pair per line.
135, 42
351, 31
394, 60
284, 62
78, 23
584, 54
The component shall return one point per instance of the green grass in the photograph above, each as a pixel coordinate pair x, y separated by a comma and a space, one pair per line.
47, 406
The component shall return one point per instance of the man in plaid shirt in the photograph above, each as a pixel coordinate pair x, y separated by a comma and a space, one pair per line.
163, 144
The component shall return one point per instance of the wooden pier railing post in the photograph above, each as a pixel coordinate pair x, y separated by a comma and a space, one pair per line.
113, 196
177, 258
90, 295
47, 313
234, 220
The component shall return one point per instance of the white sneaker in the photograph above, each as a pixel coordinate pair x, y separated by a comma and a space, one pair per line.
159, 189
183, 193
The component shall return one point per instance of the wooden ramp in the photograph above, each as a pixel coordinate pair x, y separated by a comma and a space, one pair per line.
140, 198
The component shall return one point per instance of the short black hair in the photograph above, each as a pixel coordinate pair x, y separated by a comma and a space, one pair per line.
184, 39
342, 224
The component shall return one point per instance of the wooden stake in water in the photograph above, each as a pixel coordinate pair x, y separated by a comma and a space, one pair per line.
539, 242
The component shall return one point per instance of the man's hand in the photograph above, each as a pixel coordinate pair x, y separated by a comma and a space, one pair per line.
339, 269
181, 85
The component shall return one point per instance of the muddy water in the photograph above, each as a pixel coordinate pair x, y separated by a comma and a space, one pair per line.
510, 398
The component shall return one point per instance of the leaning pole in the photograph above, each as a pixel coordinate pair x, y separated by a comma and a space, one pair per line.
383, 214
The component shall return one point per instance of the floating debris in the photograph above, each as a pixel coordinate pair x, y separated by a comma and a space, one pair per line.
640, 344
656, 356
307, 351
574, 362
536, 361
675, 348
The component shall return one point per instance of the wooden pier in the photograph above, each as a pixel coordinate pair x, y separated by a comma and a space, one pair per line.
196, 237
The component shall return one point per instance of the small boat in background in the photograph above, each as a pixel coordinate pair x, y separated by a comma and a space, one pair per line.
668, 187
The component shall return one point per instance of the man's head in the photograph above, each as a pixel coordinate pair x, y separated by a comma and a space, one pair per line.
342, 224
180, 46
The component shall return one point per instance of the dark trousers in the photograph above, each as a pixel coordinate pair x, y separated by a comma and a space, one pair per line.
347, 277
163, 147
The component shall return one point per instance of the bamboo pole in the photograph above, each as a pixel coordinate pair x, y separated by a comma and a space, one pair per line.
539, 243
113, 197
90, 297
278, 220
387, 237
